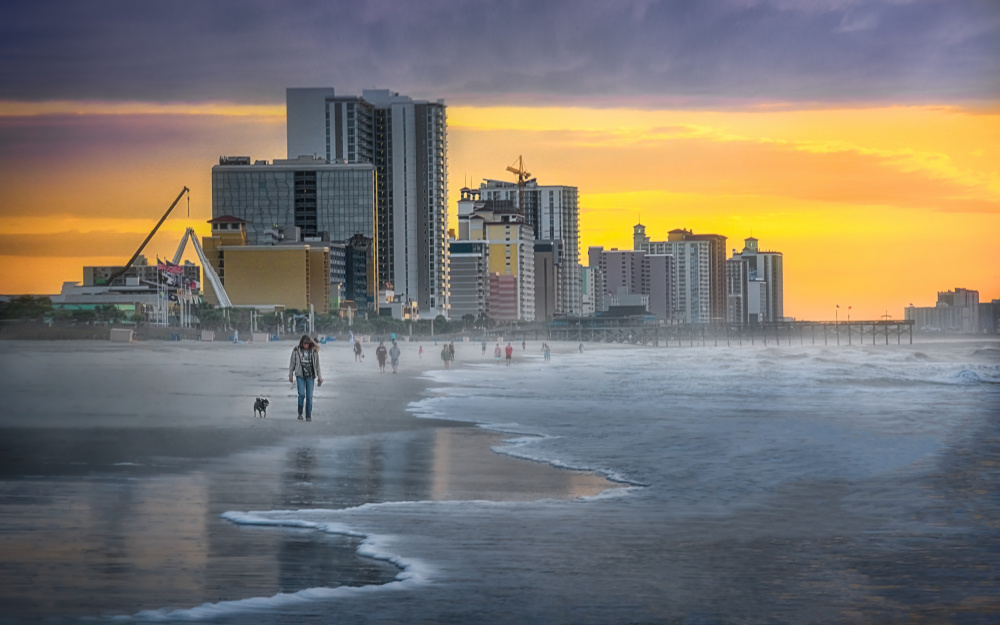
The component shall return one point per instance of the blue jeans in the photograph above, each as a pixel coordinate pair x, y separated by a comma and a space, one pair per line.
305, 387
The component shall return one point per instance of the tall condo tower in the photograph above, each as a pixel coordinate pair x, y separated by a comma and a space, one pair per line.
553, 212
406, 141
754, 285
698, 289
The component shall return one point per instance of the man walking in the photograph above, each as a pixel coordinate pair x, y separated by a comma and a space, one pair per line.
394, 356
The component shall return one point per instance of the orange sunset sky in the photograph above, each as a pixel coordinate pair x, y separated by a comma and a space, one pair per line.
877, 200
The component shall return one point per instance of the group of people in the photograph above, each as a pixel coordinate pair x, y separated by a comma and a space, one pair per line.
392, 353
305, 372
448, 354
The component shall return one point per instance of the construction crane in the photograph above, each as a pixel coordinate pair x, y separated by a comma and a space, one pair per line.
522, 177
128, 265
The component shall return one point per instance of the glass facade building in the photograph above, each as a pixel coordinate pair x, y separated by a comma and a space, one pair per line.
330, 202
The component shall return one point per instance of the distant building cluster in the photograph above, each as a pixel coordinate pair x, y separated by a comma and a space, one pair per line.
957, 311
366, 180
686, 279
354, 221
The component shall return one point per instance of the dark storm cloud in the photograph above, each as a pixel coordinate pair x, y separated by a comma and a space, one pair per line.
898, 50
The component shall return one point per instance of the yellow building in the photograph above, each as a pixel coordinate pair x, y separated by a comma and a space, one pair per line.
511, 254
291, 276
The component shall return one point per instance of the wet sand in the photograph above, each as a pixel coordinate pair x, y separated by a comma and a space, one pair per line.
116, 461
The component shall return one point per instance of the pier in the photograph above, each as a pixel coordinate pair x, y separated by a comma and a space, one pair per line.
638, 332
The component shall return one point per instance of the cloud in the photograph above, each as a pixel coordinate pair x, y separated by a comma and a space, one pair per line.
704, 163
919, 51
123, 166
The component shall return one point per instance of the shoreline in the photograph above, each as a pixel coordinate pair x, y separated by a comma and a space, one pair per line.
133, 454
183, 396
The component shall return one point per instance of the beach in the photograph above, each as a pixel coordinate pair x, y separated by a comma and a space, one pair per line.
118, 460
794, 484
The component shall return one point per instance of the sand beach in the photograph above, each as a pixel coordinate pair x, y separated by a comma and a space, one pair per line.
117, 460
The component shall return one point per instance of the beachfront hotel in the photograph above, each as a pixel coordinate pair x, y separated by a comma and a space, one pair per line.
405, 140
633, 272
290, 276
754, 285
494, 260
552, 212
698, 288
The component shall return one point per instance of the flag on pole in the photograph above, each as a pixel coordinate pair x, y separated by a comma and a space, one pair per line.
175, 269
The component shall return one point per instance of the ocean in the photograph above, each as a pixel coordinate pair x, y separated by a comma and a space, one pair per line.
792, 484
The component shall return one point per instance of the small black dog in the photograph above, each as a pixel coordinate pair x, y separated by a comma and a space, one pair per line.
260, 407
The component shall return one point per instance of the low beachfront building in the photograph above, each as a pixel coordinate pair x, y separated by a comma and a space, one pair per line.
292, 276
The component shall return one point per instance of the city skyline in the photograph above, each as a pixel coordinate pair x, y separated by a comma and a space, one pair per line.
853, 136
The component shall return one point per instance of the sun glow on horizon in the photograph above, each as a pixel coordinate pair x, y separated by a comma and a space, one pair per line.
848, 195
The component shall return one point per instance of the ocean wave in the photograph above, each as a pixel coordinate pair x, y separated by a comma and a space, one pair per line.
988, 352
372, 547
968, 376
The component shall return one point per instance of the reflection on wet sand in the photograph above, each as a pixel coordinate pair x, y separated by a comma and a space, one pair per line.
88, 540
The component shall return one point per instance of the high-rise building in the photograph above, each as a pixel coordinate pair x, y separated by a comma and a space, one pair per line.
552, 211
546, 278
509, 257
634, 272
660, 271
596, 261
324, 201
989, 317
589, 278
470, 272
698, 285
406, 141
955, 311
754, 285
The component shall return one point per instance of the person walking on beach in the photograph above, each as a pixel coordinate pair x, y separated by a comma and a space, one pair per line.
420, 352
484, 348
524, 345
451, 348
510, 352
357, 351
380, 354
303, 369
394, 356
547, 352
497, 353
446, 356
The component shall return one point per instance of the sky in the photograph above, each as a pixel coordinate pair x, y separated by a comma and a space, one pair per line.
859, 138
